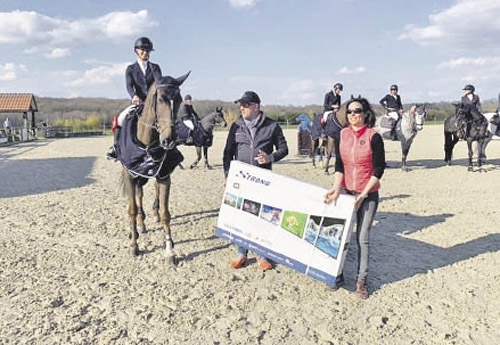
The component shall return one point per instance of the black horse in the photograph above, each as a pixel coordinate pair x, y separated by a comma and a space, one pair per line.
202, 134
469, 124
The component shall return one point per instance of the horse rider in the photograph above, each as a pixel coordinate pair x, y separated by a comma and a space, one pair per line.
189, 117
332, 101
471, 99
394, 107
139, 76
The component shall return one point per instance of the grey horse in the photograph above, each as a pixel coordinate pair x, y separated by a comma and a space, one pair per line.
411, 122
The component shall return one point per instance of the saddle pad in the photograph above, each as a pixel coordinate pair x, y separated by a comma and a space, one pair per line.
386, 122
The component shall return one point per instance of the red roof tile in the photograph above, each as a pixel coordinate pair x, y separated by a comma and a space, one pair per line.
17, 102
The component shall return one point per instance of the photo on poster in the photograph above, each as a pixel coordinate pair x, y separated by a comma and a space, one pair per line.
312, 229
271, 214
294, 222
251, 207
330, 236
231, 200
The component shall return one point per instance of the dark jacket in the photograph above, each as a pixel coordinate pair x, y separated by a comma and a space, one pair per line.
188, 113
331, 99
390, 102
475, 101
138, 83
241, 146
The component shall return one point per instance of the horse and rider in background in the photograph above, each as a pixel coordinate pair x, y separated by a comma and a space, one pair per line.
404, 130
201, 136
469, 124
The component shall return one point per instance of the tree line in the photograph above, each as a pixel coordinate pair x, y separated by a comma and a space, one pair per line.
89, 113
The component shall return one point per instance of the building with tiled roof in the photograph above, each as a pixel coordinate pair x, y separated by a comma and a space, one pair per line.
19, 103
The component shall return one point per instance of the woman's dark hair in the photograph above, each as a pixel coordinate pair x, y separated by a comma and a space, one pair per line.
370, 115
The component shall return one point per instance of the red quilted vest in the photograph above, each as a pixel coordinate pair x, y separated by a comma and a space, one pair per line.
356, 153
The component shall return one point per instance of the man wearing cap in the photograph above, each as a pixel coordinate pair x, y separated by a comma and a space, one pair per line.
392, 103
258, 136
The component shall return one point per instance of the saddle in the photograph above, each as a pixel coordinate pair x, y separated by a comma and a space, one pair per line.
145, 161
200, 137
386, 122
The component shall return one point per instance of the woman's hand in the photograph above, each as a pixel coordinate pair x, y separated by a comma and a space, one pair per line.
359, 200
332, 195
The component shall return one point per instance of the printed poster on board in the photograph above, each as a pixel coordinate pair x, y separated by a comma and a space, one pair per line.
286, 221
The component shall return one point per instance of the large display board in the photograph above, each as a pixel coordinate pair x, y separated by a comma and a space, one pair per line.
286, 220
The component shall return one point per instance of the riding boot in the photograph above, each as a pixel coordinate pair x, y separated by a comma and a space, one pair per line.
113, 150
393, 131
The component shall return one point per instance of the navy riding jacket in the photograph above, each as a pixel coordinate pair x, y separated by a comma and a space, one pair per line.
475, 101
389, 101
241, 146
188, 113
331, 99
138, 83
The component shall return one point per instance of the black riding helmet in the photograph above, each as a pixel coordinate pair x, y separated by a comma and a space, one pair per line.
143, 43
187, 97
394, 87
338, 86
469, 87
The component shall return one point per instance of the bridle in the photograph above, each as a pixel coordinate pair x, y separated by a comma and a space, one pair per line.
166, 144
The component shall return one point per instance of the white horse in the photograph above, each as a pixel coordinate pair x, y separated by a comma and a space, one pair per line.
493, 124
411, 122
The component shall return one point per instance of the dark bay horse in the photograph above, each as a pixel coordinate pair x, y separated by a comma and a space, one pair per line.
469, 124
202, 134
155, 156
411, 122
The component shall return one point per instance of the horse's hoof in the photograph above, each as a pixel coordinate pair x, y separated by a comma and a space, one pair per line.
134, 251
470, 168
171, 260
209, 167
327, 173
192, 166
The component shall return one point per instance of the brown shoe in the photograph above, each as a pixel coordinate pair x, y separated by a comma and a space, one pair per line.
238, 262
264, 264
361, 290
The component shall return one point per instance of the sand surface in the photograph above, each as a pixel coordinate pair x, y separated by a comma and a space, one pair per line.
66, 276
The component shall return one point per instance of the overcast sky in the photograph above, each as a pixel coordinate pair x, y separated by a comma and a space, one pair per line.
289, 51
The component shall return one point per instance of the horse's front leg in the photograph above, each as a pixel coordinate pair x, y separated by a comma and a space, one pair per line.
141, 215
164, 189
156, 203
405, 149
132, 212
330, 151
470, 154
205, 155
198, 158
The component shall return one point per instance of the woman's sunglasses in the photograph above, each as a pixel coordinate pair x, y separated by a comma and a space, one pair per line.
356, 111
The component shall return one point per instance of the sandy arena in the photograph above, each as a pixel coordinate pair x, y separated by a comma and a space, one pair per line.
66, 276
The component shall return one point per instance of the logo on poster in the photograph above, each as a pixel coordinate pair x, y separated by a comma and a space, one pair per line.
252, 178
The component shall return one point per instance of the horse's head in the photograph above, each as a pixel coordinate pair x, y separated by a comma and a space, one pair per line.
161, 108
219, 117
419, 113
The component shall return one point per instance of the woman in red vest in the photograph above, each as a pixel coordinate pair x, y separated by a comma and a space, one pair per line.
359, 166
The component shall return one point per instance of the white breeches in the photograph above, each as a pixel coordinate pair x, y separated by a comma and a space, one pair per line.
189, 124
394, 115
124, 113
